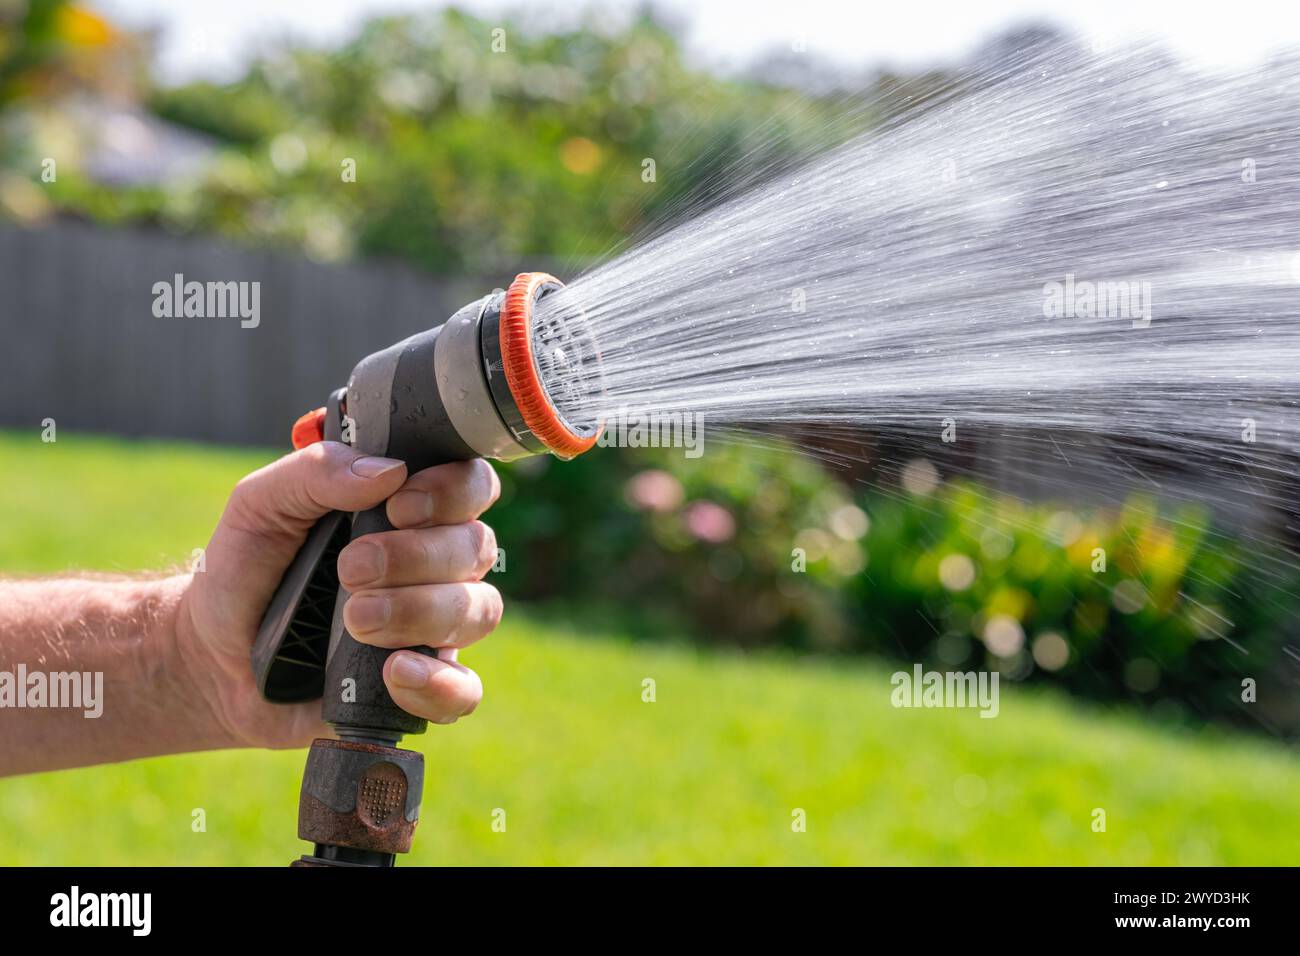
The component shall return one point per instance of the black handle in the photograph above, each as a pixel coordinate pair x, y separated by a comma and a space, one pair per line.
293, 641
355, 695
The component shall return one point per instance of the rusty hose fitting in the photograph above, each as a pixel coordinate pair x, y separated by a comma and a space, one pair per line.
360, 802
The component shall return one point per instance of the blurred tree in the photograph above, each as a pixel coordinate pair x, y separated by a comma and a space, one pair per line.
455, 142
68, 84
29, 42
48, 47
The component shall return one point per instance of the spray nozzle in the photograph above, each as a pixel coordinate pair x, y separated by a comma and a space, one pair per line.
547, 365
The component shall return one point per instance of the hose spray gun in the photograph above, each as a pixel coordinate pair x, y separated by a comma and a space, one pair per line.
484, 384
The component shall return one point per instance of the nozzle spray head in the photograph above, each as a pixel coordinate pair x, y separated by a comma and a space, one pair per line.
545, 365
505, 384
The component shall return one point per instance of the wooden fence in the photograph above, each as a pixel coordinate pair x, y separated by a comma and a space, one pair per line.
82, 344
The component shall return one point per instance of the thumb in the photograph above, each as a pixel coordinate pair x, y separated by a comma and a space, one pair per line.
266, 521
288, 495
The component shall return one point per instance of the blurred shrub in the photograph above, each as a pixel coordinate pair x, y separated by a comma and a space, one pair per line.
753, 546
1130, 602
670, 544
455, 142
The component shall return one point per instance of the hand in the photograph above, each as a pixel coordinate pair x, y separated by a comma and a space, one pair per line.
418, 585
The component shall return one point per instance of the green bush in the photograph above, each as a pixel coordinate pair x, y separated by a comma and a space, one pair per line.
672, 542
1131, 602
761, 546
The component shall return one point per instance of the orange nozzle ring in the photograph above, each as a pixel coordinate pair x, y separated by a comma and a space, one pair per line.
521, 370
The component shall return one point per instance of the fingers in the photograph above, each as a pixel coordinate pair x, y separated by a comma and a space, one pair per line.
442, 555
432, 615
291, 493
417, 586
445, 494
420, 587
437, 690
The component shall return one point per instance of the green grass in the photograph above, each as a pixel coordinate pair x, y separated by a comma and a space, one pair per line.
103, 505
588, 773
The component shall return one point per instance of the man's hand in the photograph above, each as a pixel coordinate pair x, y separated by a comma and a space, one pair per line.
418, 585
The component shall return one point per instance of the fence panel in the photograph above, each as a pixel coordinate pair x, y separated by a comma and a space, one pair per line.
82, 344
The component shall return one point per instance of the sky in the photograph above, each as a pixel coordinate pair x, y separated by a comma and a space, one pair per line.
213, 39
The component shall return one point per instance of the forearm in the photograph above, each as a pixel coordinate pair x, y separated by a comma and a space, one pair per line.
90, 673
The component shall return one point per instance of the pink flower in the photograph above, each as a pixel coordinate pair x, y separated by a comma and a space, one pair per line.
654, 491
710, 522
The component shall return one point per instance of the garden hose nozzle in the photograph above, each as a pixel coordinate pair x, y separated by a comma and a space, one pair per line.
487, 384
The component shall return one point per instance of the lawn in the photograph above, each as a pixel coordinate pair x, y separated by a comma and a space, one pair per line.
586, 772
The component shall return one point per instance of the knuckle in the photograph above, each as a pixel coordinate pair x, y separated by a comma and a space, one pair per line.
466, 696
476, 532
245, 491
460, 605
317, 453
252, 508
432, 552
492, 609
320, 464
483, 545
402, 611
485, 483
245, 485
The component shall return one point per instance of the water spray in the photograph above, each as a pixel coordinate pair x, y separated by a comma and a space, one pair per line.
1086, 260
487, 383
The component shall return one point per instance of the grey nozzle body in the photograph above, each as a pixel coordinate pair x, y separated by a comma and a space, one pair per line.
426, 398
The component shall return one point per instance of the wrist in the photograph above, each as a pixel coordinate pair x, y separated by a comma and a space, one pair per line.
168, 663
200, 674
